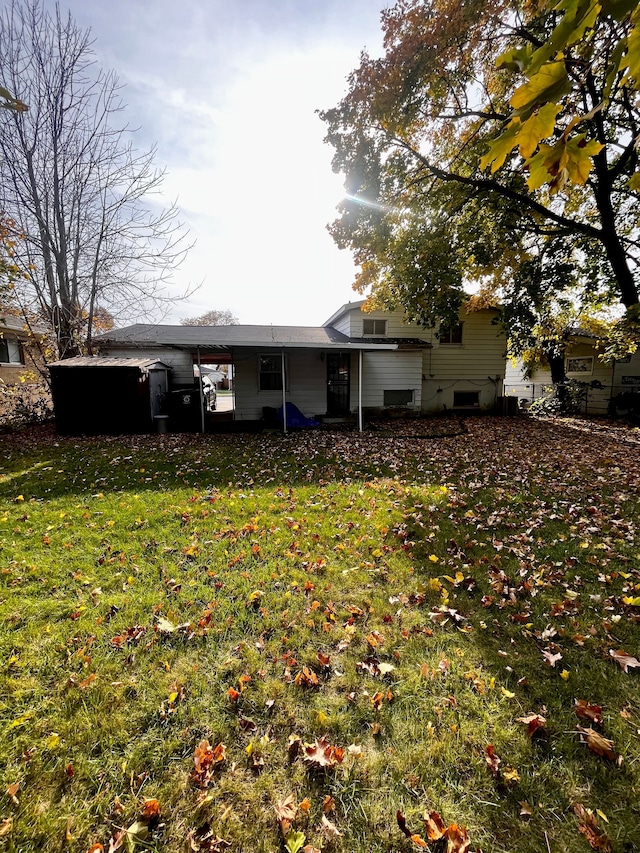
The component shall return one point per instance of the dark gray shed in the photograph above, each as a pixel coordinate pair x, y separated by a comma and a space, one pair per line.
101, 395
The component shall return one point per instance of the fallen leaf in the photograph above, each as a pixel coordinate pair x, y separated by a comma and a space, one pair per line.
294, 841
588, 826
329, 828
551, 658
533, 722
588, 712
12, 792
322, 754
204, 840
493, 762
623, 659
286, 811
435, 826
597, 743
402, 823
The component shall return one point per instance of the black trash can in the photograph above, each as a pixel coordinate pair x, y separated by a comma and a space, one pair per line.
184, 410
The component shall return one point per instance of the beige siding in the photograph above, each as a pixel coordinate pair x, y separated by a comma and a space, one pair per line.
181, 363
307, 387
396, 325
477, 365
481, 353
387, 371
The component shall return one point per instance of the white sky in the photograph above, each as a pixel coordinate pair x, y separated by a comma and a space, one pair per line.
228, 90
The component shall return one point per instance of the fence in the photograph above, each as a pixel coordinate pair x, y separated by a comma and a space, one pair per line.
613, 400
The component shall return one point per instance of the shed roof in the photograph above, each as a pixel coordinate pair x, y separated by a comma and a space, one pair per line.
143, 364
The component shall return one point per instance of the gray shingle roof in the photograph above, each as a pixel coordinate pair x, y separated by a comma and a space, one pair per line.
224, 337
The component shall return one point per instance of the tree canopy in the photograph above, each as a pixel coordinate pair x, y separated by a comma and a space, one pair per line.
78, 191
215, 317
491, 141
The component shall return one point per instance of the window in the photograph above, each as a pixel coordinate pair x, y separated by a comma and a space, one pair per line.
398, 398
270, 372
580, 365
466, 399
374, 327
10, 352
451, 334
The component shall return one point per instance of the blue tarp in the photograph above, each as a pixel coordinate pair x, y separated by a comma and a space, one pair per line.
295, 418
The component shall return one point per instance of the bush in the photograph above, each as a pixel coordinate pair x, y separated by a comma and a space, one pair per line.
28, 402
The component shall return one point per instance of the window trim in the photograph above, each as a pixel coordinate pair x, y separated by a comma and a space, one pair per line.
278, 373
18, 351
374, 320
579, 358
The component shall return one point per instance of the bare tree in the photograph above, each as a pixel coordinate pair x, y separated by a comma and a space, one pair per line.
215, 317
77, 189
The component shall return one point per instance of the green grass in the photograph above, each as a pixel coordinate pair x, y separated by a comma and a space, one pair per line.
143, 580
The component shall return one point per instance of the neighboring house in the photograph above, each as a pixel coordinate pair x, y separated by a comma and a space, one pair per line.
357, 362
13, 341
610, 387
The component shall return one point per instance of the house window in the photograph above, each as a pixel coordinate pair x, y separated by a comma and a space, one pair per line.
580, 365
374, 327
270, 373
451, 334
466, 399
398, 398
10, 352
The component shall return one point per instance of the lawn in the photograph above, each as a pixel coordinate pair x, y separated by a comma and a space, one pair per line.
398, 640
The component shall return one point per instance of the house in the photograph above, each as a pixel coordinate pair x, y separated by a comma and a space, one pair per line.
611, 388
356, 363
14, 338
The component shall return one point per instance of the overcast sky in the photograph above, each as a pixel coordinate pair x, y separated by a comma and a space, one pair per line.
228, 90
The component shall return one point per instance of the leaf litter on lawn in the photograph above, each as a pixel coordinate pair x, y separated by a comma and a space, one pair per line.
401, 594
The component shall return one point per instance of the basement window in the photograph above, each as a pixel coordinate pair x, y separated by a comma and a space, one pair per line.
466, 399
398, 398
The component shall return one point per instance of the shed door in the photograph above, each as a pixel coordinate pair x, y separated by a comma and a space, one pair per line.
338, 364
158, 387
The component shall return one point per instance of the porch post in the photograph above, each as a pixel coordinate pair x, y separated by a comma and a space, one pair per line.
201, 392
360, 424
284, 394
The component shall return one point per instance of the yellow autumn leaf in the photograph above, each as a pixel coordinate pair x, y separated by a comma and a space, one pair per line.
496, 155
536, 128
548, 84
507, 693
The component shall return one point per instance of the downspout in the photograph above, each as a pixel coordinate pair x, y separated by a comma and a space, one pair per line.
360, 423
284, 395
201, 392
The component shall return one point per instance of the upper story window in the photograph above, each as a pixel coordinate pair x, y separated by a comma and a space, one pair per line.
451, 334
374, 327
10, 352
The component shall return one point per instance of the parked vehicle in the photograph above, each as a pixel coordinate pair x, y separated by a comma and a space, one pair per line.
210, 393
